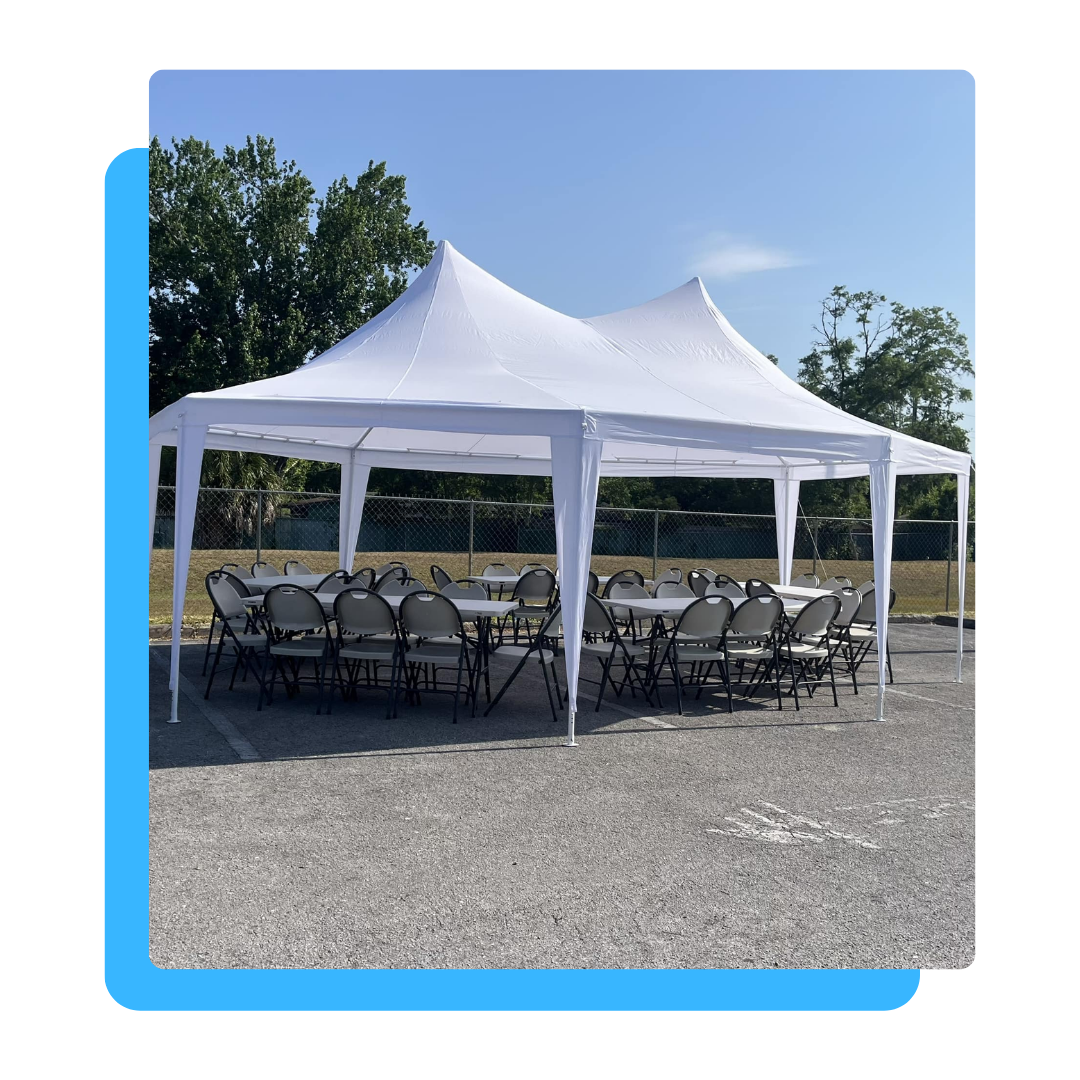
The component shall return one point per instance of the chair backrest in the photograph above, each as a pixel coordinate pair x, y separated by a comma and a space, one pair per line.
365, 578
238, 583
391, 586
241, 572
472, 590
265, 569
594, 583
440, 577
807, 581
392, 565
395, 573
817, 617
756, 587
720, 579
295, 566
674, 574
621, 576
757, 617
291, 608
835, 584
705, 572
850, 600
363, 612
868, 607
534, 566
665, 589
430, 614
535, 585
707, 617
335, 582
627, 590
552, 626
698, 582
731, 589
499, 569
223, 595
598, 618
866, 585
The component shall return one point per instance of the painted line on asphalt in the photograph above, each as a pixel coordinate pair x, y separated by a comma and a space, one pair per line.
225, 727
637, 716
935, 701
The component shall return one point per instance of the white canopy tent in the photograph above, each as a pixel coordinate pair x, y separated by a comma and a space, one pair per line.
461, 373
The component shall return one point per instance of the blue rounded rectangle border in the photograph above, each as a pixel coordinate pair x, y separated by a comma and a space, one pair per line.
130, 976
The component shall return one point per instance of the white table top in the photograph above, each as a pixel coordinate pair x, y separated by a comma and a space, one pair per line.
673, 606
797, 592
504, 580
305, 581
469, 609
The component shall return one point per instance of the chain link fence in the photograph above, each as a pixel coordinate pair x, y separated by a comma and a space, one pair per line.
243, 526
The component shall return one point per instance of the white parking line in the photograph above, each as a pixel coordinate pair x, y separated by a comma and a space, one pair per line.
935, 701
225, 728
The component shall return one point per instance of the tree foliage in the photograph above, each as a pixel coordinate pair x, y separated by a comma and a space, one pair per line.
251, 274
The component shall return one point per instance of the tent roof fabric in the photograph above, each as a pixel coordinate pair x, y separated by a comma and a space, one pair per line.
462, 373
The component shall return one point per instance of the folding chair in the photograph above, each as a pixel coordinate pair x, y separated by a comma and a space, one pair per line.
242, 617
543, 649
440, 577
265, 569
297, 630
294, 567
427, 617
807, 645
236, 622
698, 640
533, 593
611, 648
367, 637
756, 587
623, 576
807, 581
752, 637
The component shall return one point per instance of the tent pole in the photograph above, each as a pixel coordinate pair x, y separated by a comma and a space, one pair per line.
189, 449
882, 508
963, 482
354, 482
155, 472
786, 503
575, 476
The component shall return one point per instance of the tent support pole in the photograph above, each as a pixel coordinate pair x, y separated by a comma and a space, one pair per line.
882, 508
354, 482
155, 473
575, 476
786, 505
189, 450
963, 482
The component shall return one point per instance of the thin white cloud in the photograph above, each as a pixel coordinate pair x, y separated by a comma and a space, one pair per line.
725, 256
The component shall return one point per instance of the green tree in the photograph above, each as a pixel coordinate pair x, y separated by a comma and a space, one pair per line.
242, 286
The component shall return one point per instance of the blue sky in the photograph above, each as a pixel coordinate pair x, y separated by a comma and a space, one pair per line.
593, 191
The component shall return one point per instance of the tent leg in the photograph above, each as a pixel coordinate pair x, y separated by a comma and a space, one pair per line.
189, 450
575, 474
882, 508
786, 503
962, 487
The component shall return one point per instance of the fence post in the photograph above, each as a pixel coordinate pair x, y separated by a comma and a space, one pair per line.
258, 526
655, 541
472, 527
948, 569
817, 526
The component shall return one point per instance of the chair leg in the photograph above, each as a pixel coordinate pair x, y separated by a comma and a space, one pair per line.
209, 640
217, 656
